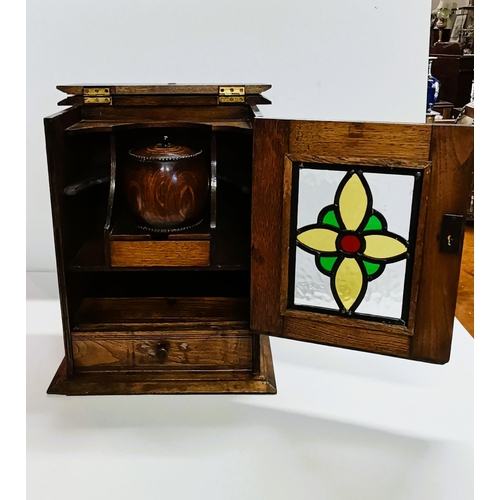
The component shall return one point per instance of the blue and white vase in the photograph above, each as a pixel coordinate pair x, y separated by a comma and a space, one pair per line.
432, 87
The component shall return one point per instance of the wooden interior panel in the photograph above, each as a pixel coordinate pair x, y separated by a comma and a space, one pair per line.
92, 126
55, 126
159, 253
126, 313
145, 114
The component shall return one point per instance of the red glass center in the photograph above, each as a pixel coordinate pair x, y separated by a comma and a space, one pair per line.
350, 243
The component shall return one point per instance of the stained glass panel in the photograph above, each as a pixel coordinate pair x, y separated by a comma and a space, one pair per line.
352, 240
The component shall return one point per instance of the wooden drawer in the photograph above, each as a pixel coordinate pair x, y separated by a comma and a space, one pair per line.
187, 352
160, 253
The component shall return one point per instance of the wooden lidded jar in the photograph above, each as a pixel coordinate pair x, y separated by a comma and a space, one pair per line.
166, 185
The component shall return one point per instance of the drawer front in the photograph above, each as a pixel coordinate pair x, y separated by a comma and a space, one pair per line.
160, 253
187, 353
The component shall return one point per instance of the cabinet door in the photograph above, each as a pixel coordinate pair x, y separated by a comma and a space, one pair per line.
357, 233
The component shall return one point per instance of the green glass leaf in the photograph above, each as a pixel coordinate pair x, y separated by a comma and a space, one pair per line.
371, 268
373, 224
330, 219
327, 263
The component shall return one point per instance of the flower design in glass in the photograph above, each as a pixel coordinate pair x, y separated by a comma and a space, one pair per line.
351, 242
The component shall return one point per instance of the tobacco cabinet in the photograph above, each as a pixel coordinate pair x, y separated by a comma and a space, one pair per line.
344, 234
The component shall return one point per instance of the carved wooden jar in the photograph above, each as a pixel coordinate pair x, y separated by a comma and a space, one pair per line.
166, 186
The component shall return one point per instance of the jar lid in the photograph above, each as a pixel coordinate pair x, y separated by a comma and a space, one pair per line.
164, 151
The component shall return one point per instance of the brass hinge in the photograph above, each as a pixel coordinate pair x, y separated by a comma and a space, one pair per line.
96, 95
231, 99
231, 94
228, 90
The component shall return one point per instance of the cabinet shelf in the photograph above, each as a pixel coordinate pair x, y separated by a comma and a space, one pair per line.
230, 255
125, 314
229, 241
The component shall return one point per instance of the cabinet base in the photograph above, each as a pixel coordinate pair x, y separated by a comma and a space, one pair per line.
169, 382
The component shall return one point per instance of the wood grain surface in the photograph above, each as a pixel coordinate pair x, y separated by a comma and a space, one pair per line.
170, 381
358, 139
465, 299
54, 127
149, 114
452, 153
270, 147
345, 336
169, 89
97, 312
190, 352
128, 337
91, 126
164, 100
160, 253
442, 152
167, 194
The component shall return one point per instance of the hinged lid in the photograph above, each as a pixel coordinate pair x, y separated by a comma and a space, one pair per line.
172, 93
169, 89
164, 151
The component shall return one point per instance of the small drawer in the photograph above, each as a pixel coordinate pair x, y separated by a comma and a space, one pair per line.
186, 353
160, 253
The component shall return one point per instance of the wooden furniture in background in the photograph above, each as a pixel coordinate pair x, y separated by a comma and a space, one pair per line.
189, 312
455, 74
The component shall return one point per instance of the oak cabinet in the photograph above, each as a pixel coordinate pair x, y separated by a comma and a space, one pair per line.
344, 234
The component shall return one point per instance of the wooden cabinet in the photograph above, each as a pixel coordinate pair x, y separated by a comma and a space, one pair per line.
455, 74
344, 234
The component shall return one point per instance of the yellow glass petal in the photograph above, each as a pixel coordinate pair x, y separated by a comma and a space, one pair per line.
348, 282
320, 239
353, 203
379, 246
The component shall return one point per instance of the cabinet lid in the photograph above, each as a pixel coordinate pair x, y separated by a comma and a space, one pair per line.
168, 89
169, 94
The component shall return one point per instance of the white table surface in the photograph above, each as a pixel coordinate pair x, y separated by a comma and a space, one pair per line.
344, 425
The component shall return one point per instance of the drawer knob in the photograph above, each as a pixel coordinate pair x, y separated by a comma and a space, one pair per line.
162, 351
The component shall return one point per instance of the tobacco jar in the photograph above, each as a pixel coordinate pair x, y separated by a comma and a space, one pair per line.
166, 186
